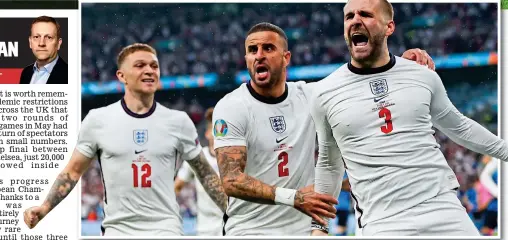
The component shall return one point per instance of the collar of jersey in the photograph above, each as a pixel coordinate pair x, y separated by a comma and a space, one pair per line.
366, 71
135, 115
268, 100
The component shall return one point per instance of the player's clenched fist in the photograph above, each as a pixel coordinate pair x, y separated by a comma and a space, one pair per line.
315, 204
33, 215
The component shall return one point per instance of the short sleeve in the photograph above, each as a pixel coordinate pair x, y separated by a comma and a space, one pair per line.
230, 123
185, 173
87, 140
189, 146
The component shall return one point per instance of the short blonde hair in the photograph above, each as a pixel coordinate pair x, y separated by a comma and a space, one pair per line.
388, 8
135, 47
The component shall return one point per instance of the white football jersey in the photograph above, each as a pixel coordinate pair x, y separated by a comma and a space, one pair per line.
137, 155
209, 218
381, 122
280, 140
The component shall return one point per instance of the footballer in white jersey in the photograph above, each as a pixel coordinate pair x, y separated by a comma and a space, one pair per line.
265, 145
280, 138
137, 143
376, 122
138, 156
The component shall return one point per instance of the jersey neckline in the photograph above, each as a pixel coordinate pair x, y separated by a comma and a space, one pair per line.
268, 100
366, 71
135, 115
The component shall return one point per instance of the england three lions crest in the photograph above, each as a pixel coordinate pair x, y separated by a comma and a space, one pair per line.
379, 87
278, 124
140, 136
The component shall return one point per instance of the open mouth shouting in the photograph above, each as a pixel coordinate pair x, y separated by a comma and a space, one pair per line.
262, 72
359, 40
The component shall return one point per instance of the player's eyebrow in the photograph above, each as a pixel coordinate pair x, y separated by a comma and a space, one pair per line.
145, 62
255, 46
269, 45
252, 47
362, 13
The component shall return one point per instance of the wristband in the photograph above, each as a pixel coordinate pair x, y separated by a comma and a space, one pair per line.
285, 196
317, 226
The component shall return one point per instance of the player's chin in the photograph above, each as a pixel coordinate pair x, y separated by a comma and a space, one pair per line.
149, 88
262, 82
360, 56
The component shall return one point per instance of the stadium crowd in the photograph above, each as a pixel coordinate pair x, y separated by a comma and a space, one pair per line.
201, 38
196, 39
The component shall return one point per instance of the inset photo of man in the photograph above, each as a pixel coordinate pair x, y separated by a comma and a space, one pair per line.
45, 41
43, 60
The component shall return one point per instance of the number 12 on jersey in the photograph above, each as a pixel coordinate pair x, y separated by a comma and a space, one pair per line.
146, 170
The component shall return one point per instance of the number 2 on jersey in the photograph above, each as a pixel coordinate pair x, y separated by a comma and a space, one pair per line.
147, 171
387, 115
283, 170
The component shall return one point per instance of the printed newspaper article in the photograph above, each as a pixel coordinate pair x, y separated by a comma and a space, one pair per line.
39, 114
34, 134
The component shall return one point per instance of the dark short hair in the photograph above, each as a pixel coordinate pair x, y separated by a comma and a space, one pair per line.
135, 47
47, 19
265, 26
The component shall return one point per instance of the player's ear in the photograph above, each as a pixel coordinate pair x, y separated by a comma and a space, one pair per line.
287, 58
390, 28
120, 75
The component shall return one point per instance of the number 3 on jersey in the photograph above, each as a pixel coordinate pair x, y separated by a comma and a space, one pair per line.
387, 115
146, 169
283, 170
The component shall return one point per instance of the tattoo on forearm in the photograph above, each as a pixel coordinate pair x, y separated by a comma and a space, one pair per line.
232, 161
210, 180
61, 188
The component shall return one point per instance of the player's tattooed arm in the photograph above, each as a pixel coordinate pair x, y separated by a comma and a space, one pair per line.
231, 161
210, 180
62, 186
66, 180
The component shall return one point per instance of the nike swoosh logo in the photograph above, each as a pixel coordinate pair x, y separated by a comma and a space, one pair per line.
280, 140
138, 152
379, 98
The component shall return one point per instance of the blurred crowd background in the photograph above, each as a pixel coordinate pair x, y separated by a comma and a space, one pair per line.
194, 39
